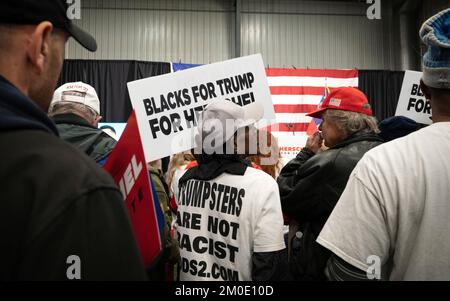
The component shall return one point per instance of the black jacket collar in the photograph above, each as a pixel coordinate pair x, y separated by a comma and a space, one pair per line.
18, 112
211, 166
356, 137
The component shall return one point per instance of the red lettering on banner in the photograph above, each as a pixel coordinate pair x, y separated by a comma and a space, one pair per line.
129, 177
291, 149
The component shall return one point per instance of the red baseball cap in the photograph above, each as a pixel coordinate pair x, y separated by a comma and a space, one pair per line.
346, 99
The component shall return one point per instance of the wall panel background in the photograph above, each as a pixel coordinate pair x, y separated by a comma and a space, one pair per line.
188, 31
288, 33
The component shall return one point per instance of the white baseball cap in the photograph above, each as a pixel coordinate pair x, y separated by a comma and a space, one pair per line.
78, 92
221, 119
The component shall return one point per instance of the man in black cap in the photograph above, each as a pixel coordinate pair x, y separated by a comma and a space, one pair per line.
61, 217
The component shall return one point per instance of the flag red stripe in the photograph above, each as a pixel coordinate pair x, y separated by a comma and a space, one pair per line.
312, 72
312, 128
288, 127
297, 90
294, 108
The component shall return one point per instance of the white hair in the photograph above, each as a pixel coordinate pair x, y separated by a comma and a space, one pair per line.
352, 122
76, 108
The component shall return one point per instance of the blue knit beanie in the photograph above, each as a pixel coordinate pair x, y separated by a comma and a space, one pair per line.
435, 33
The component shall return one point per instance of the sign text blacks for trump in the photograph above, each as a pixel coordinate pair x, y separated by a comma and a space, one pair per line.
412, 102
168, 106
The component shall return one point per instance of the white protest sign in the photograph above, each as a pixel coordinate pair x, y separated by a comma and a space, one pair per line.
412, 102
168, 106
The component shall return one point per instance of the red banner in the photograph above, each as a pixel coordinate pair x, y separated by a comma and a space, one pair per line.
127, 166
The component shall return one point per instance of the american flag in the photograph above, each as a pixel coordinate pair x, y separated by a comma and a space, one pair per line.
315, 122
296, 92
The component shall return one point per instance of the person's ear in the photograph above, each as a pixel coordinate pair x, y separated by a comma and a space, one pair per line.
97, 120
426, 91
39, 46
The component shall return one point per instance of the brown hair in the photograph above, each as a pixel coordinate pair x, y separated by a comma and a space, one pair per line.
268, 154
177, 161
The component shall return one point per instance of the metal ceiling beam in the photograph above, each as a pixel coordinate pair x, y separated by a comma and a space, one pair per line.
409, 43
237, 36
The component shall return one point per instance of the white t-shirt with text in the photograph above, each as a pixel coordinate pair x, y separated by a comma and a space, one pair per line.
395, 210
221, 222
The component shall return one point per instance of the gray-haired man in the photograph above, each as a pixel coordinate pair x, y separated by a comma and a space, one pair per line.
391, 221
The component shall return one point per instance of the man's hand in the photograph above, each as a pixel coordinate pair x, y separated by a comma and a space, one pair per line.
314, 142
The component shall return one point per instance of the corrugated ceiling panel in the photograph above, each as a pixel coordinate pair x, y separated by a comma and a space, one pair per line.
314, 39
315, 34
200, 32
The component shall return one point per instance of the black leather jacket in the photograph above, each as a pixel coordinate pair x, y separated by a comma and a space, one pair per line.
310, 186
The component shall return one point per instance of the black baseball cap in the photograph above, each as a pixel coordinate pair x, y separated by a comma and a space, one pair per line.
54, 11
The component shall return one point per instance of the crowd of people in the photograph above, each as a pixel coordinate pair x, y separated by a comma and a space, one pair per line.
362, 201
